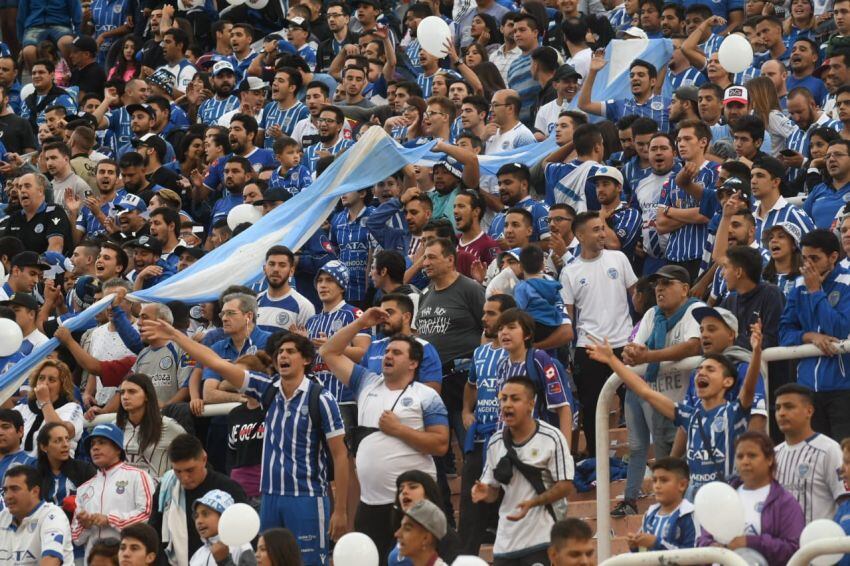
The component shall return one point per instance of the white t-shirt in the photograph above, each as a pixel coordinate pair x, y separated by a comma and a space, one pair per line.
599, 290
672, 384
753, 502
44, 533
69, 412
517, 136
546, 449
581, 63
811, 471
183, 72
547, 115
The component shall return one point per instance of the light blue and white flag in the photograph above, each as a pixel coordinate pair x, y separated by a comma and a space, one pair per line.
612, 82
529, 155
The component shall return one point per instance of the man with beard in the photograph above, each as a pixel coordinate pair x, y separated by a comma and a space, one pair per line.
566, 82
400, 311
647, 196
165, 226
174, 44
113, 113
331, 142
514, 184
710, 106
57, 158
237, 171
354, 81
280, 306
473, 115
223, 82
154, 152
505, 131
306, 131
684, 104
349, 234
84, 257
243, 129
95, 215
804, 111
804, 59
132, 165
339, 16
468, 212
132, 224
148, 267
285, 110
142, 118
621, 222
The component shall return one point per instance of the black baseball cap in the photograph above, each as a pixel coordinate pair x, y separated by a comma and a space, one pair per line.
771, 165
672, 273
25, 300
30, 259
273, 195
143, 107
193, 251
566, 72
85, 43
146, 243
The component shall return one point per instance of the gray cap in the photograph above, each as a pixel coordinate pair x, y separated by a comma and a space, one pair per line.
673, 273
430, 517
687, 92
726, 316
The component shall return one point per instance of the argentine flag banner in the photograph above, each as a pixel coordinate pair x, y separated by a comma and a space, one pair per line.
612, 82
528, 155
373, 158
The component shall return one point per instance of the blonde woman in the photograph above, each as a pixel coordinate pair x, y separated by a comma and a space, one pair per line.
764, 103
51, 400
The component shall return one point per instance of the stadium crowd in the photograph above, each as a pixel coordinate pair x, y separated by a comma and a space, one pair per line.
449, 321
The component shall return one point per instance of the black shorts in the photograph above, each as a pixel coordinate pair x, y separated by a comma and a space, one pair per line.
348, 411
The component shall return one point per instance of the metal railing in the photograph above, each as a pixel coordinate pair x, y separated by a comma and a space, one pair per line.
805, 555
706, 555
603, 437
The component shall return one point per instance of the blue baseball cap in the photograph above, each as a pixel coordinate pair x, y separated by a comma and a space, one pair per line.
131, 202
108, 431
337, 270
215, 499
452, 165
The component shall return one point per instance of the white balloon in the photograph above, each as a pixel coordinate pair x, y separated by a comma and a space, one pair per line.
238, 524
243, 213
356, 549
11, 337
719, 511
735, 53
257, 4
469, 561
821, 529
432, 34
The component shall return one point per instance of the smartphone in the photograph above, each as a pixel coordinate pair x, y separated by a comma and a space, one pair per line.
88, 193
788, 152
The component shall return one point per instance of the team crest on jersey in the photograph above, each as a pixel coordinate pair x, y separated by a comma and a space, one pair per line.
657, 105
282, 318
304, 410
803, 470
251, 350
582, 282
406, 402
834, 297
117, 8
121, 487
166, 363
846, 198
39, 228
719, 424
613, 273
336, 325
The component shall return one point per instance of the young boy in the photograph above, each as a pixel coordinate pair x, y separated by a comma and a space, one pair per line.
539, 296
139, 545
669, 523
291, 176
208, 510
711, 426
842, 514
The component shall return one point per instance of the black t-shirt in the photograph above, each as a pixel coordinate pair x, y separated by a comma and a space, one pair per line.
245, 432
214, 480
16, 134
91, 78
49, 221
166, 178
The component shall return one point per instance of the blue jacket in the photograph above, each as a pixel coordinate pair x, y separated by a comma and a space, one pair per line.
678, 532
826, 311
389, 227
541, 298
842, 517
35, 13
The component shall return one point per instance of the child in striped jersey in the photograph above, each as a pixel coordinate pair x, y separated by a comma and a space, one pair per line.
669, 523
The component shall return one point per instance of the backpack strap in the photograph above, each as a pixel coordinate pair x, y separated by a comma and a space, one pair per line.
314, 390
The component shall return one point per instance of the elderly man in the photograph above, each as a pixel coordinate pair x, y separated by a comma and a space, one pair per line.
41, 227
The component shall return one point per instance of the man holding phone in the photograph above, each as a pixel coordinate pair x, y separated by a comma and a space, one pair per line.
766, 183
97, 215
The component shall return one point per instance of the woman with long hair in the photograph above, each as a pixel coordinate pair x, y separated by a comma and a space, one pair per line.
147, 433
764, 103
51, 400
801, 23
190, 154
785, 257
278, 547
477, 70
773, 517
407, 128
485, 31
819, 140
412, 487
126, 67
60, 473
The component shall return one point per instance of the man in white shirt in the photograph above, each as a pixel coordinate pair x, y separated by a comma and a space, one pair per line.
528, 510
32, 532
595, 288
575, 33
505, 131
808, 464
508, 51
174, 44
565, 81
280, 306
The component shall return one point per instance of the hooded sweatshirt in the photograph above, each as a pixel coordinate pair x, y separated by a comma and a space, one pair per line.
541, 298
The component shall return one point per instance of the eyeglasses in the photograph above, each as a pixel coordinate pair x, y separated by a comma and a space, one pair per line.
326, 120
496, 105
336, 15
836, 155
429, 113
228, 314
558, 219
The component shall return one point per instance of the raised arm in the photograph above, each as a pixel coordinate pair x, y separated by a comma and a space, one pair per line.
161, 330
471, 172
748, 388
86, 360
584, 102
333, 351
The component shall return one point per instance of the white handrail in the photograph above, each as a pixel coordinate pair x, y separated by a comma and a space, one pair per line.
706, 555
804, 556
218, 410
603, 437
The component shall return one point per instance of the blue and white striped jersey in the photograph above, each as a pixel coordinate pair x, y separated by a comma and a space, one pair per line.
647, 196
569, 183
712, 45
676, 530
632, 174
620, 19
294, 460
19, 458
308, 53
351, 239
426, 82
280, 314
686, 243
241, 67
108, 15
214, 108
719, 290
655, 108
483, 374
720, 426
311, 154
627, 226
412, 51
782, 211
800, 139
539, 231
553, 389
286, 118
691, 76
91, 226
327, 323
65, 100
61, 487
293, 181
520, 80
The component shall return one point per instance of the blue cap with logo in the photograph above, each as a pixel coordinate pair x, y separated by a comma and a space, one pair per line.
337, 270
108, 431
131, 202
452, 165
215, 499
